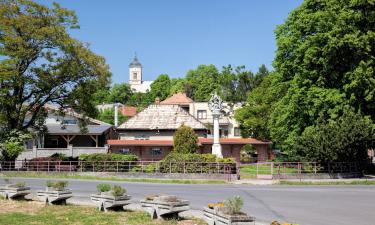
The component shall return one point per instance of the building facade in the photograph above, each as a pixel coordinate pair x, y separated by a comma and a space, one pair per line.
149, 134
136, 82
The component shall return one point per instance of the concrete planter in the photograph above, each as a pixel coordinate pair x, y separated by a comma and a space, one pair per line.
106, 201
216, 217
161, 207
53, 196
13, 192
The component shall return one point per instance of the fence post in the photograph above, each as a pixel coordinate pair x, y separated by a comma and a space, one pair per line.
170, 167
70, 166
257, 169
37, 166
314, 167
81, 166
93, 166
48, 166
184, 167
271, 168
117, 166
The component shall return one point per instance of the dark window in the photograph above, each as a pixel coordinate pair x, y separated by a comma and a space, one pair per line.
155, 151
237, 131
202, 114
134, 76
125, 151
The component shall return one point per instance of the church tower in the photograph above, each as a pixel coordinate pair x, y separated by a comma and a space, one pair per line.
135, 72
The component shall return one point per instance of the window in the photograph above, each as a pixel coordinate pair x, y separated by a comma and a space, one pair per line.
202, 114
29, 144
134, 76
125, 151
155, 151
237, 131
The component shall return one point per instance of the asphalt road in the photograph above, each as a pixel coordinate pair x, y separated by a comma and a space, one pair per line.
305, 205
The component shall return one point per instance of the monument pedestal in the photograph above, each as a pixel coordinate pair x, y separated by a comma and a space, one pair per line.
216, 150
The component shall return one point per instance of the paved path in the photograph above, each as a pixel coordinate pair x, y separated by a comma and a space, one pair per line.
305, 205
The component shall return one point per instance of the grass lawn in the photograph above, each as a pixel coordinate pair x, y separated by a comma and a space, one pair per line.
31, 212
250, 171
111, 178
340, 182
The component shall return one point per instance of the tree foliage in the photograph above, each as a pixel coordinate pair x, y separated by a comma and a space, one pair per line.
42, 64
13, 144
346, 139
185, 140
326, 57
107, 116
161, 87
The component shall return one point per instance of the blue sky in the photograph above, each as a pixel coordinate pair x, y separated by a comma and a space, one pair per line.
174, 36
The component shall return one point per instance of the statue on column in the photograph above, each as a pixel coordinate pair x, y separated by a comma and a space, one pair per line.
216, 106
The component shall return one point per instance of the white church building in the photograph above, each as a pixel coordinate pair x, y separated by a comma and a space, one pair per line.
135, 77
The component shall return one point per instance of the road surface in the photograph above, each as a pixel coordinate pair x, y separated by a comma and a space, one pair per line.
305, 205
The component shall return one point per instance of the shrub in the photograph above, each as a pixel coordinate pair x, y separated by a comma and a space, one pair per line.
58, 185
233, 205
49, 183
185, 140
103, 187
96, 161
107, 157
118, 191
193, 163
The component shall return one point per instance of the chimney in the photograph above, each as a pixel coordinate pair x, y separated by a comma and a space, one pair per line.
116, 114
157, 101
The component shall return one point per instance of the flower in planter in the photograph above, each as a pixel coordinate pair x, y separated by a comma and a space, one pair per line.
233, 205
118, 191
115, 190
58, 185
103, 188
217, 205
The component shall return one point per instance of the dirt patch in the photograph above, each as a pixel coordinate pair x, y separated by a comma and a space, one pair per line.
29, 207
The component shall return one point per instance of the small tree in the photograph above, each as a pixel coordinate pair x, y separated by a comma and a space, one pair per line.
185, 140
12, 144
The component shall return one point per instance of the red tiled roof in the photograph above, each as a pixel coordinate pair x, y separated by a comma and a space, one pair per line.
141, 142
201, 141
179, 98
234, 141
128, 111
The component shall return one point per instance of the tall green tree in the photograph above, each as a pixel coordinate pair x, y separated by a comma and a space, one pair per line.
107, 116
203, 81
346, 139
161, 87
326, 55
120, 93
254, 116
185, 140
42, 64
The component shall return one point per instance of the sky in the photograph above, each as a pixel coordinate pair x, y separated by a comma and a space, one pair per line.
174, 36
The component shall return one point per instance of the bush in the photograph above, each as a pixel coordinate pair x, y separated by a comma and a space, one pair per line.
103, 187
233, 205
96, 161
107, 157
193, 163
118, 191
58, 185
185, 140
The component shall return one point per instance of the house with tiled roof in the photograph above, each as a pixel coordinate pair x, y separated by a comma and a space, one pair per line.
149, 134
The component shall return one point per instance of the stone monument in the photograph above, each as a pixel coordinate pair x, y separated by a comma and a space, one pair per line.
216, 106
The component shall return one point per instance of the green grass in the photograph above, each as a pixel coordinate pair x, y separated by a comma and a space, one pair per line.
342, 182
250, 171
62, 175
20, 213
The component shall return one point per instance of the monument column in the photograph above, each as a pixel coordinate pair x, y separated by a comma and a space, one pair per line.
215, 105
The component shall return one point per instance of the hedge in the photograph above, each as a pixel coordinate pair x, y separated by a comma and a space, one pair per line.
96, 162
